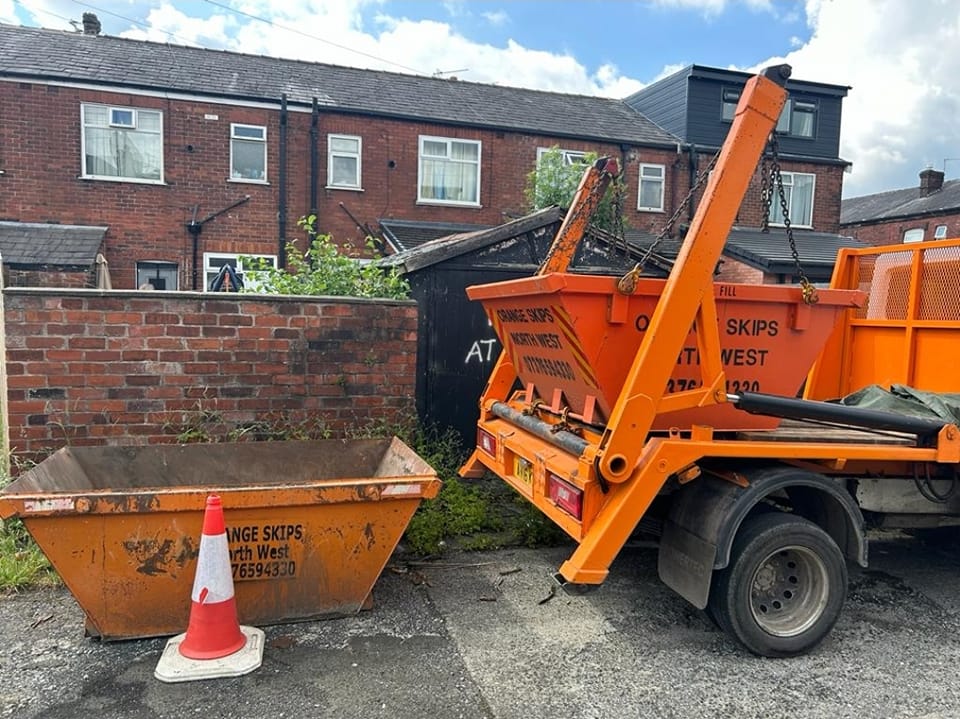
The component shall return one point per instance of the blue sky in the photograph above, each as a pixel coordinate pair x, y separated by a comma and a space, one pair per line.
901, 57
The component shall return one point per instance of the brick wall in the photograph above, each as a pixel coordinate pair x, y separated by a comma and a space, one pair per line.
88, 367
891, 233
40, 138
735, 271
826, 197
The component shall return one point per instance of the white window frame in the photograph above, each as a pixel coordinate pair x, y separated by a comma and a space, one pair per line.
940, 232
776, 213
662, 180
233, 259
450, 141
234, 175
570, 157
131, 126
332, 154
914, 234
786, 124
157, 263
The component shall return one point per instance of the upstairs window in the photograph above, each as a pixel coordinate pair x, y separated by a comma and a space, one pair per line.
798, 118
650, 194
122, 143
798, 188
940, 232
449, 171
913, 235
343, 161
728, 107
248, 153
570, 157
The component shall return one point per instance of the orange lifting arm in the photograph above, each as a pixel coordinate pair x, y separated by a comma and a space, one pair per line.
688, 292
585, 202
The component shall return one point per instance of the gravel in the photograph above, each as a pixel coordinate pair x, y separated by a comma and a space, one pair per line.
475, 635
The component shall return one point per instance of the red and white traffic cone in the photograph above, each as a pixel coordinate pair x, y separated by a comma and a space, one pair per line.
214, 645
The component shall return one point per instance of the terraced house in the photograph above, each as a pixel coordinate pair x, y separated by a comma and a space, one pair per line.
181, 159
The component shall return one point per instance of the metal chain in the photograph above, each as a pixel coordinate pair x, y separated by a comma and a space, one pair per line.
628, 283
766, 194
806, 287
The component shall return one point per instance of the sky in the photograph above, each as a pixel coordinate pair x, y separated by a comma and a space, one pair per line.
901, 58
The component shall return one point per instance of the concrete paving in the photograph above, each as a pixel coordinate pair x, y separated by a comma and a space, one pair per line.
475, 636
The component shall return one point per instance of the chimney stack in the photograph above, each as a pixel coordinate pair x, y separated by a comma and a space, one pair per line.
91, 24
930, 181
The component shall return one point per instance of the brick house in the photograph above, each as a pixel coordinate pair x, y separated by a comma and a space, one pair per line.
192, 157
927, 211
697, 105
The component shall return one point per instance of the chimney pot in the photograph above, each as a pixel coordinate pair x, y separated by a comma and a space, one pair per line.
930, 181
91, 24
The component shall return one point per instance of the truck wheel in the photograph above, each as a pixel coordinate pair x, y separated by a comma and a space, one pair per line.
784, 588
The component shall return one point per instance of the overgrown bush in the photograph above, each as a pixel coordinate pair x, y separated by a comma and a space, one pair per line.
555, 180
323, 269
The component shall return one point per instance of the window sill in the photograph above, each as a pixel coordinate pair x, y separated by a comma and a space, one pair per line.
344, 187
243, 181
441, 203
650, 209
793, 226
132, 180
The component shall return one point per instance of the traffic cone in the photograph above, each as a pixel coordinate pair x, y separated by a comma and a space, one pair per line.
215, 644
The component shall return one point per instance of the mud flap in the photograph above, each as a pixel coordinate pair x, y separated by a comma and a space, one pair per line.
685, 563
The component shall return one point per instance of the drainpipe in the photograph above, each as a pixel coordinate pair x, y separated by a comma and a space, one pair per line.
282, 191
314, 156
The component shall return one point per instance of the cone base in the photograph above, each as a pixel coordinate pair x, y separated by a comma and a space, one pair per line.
174, 667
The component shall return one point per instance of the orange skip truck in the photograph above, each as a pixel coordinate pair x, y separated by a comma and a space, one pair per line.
673, 405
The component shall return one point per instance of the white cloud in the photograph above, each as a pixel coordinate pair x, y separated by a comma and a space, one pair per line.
498, 18
899, 57
7, 11
711, 8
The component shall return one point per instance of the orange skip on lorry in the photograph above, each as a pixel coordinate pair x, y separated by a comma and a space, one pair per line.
675, 402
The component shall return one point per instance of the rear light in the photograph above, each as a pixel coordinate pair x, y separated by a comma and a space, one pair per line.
565, 495
487, 442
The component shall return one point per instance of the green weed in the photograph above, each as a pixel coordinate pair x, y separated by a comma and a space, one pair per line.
22, 564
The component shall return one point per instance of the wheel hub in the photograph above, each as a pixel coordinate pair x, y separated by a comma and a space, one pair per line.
789, 591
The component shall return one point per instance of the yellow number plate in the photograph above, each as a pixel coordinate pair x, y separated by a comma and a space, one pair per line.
523, 470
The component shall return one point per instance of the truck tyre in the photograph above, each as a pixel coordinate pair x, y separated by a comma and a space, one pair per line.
784, 588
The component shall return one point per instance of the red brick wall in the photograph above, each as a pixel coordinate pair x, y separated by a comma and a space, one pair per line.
40, 141
47, 278
891, 233
86, 367
826, 197
40, 154
735, 271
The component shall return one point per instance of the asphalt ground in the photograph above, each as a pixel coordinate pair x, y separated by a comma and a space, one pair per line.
478, 635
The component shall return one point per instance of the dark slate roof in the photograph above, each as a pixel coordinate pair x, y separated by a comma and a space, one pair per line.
900, 203
42, 245
770, 251
38, 54
407, 234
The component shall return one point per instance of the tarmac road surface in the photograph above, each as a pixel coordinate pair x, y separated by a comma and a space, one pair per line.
475, 636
